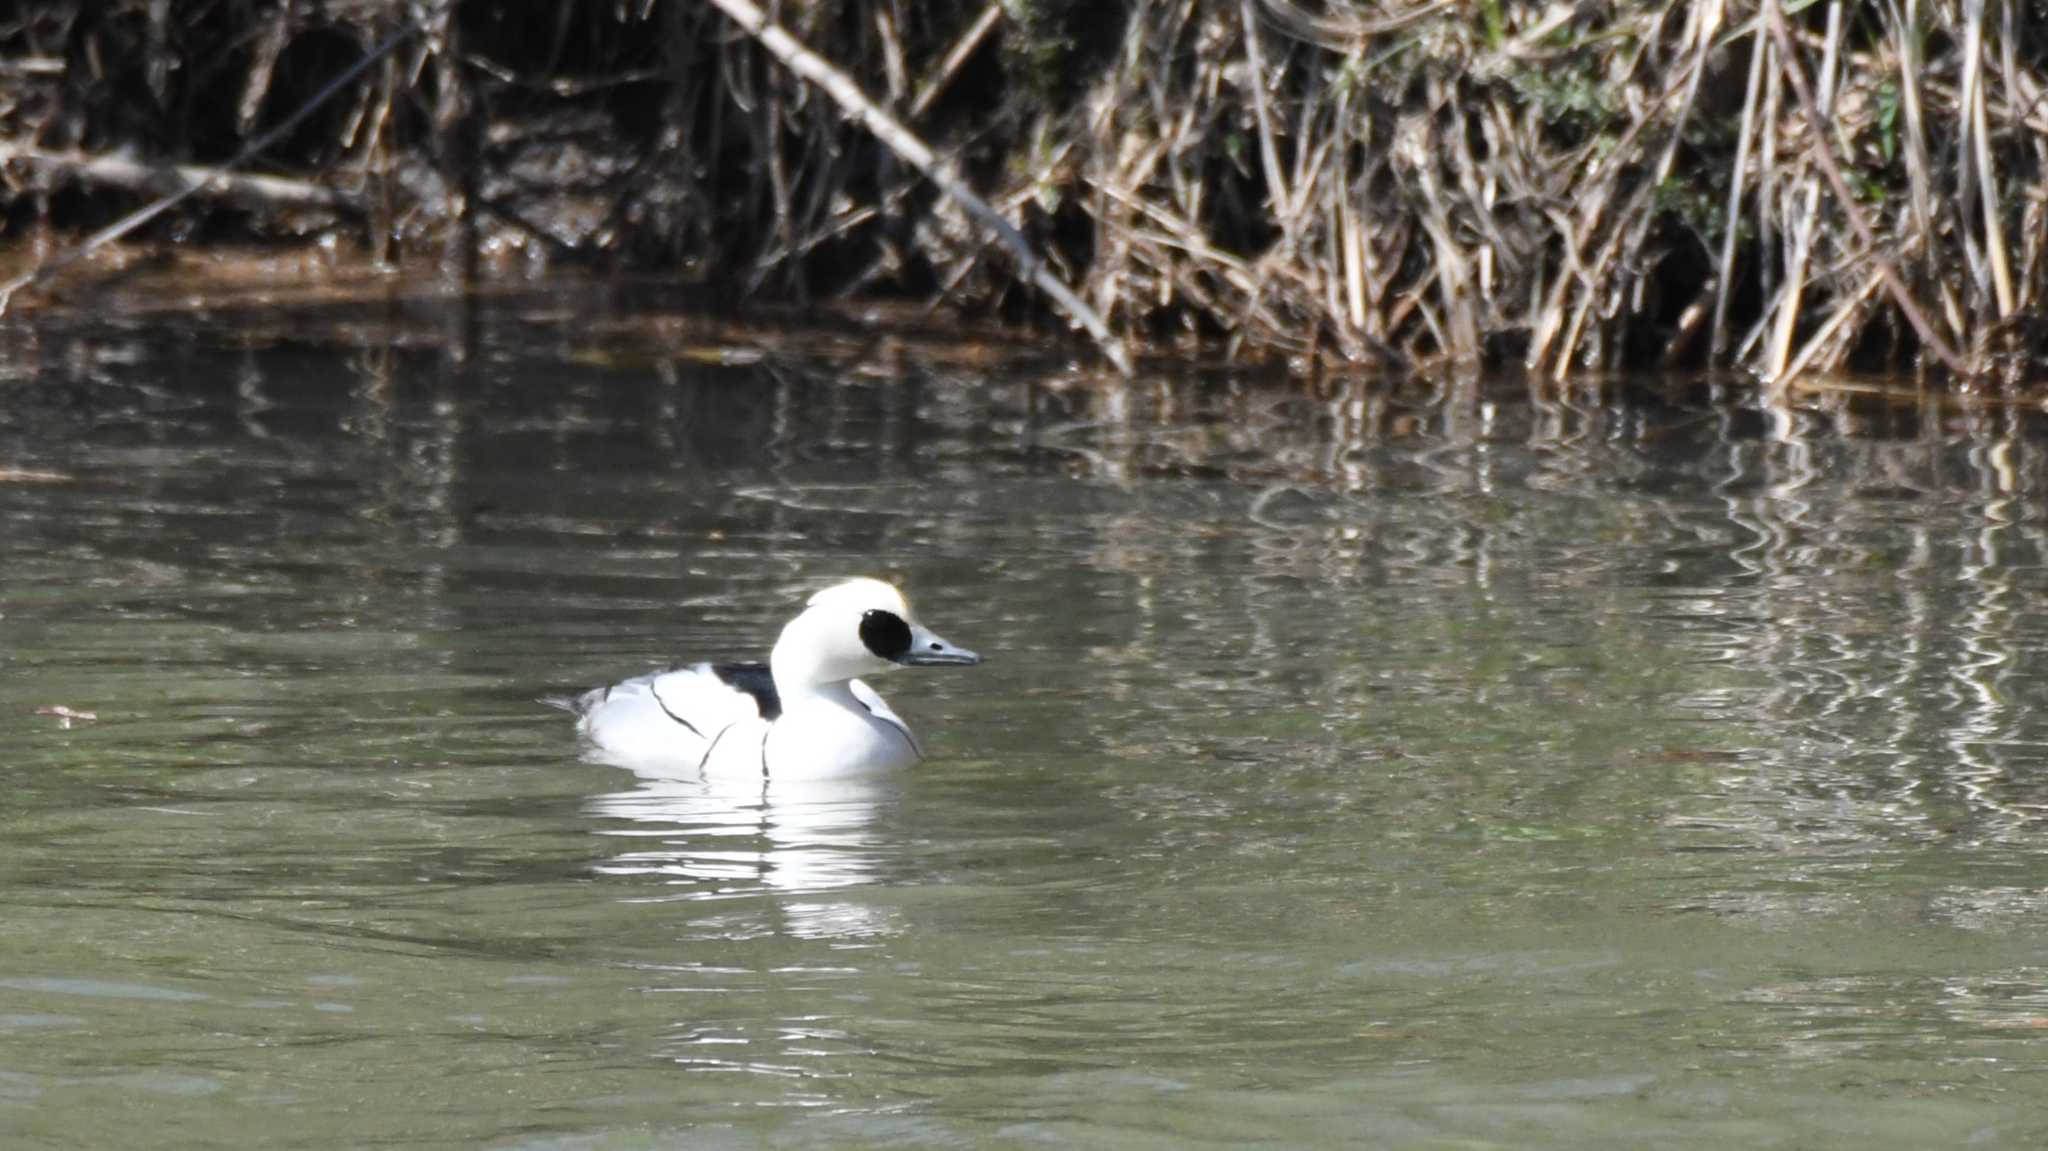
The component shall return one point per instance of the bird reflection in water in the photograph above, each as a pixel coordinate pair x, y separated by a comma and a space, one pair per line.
722, 839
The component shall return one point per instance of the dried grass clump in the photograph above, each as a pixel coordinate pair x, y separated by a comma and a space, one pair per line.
1579, 186
1567, 186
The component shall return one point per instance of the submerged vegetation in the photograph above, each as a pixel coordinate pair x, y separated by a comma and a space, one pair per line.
1785, 187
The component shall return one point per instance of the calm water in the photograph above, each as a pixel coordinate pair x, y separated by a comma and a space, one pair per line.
1425, 767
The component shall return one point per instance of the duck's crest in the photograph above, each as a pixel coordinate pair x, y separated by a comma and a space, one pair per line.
864, 593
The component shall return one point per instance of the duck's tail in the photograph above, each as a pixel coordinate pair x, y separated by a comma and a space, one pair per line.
573, 704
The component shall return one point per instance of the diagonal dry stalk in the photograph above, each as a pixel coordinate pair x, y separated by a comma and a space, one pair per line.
919, 155
44, 270
1825, 154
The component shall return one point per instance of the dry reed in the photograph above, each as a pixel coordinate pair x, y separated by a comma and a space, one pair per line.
1788, 189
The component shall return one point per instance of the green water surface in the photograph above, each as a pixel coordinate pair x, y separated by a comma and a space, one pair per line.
1416, 765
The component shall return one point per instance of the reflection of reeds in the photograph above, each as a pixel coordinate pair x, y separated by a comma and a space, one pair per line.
1565, 186
1841, 580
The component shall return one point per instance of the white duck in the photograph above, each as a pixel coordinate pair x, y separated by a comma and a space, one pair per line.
802, 714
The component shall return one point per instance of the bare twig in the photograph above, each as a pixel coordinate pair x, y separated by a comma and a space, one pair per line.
1269, 155
42, 272
1724, 276
129, 172
914, 151
1815, 126
955, 59
1979, 140
1906, 33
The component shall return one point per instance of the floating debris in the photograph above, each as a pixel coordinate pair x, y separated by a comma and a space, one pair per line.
65, 715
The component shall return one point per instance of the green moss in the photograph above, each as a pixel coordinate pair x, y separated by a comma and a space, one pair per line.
1055, 49
1570, 94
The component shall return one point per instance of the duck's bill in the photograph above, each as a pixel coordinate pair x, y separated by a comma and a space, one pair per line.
927, 649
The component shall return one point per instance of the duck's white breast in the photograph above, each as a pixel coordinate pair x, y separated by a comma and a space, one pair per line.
848, 733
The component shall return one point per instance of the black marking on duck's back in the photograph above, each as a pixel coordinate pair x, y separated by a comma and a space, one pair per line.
885, 633
713, 748
755, 680
655, 691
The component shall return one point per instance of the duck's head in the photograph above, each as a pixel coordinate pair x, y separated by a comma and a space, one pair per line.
860, 627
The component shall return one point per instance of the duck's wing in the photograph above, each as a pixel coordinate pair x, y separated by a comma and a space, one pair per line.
675, 714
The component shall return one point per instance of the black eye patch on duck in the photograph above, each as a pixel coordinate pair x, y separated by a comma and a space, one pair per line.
885, 633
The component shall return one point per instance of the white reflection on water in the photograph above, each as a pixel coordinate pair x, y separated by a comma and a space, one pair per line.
716, 839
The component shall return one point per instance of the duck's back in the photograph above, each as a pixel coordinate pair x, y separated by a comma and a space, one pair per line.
671, 719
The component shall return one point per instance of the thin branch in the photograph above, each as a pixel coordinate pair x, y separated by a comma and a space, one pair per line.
42, 272
950, 66
891, 132
129, 172
1815, 125
1717, 342
1269, 154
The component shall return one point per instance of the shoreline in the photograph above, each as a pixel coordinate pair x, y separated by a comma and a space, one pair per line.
1399, 184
